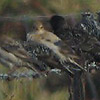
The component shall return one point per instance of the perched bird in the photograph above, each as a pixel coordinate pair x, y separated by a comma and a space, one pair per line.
68, 34
86, 38
50, 49
61, 28
12, 54
89, 25
80, 40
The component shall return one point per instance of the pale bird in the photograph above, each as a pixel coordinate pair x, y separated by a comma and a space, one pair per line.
51, 50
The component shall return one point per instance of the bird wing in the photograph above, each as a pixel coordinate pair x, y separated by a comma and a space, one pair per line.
13, 46
64, 52
13, 52
46, 55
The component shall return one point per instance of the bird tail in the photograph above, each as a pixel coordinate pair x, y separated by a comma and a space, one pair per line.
72, 67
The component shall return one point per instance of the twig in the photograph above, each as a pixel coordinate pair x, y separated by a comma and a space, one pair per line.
27, 17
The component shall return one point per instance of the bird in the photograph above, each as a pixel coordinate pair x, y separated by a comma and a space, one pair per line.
61, 28
70, 35
50, 49
92, 47
14, 56
85, 41
80, 40
86, 37
88, 24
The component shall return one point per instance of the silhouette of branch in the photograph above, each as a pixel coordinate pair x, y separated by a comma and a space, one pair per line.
27, 17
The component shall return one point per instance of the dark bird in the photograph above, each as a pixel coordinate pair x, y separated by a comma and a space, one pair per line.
50, 49
80, 39
87, 47
12, 54
89, 25
70, 35
86, 38
61, 28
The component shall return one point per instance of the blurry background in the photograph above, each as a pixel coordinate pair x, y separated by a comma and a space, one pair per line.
45, 7
54, 87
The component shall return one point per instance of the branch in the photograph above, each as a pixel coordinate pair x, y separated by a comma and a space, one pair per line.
27, 17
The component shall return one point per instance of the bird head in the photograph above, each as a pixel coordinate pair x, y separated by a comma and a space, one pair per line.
57, 22
38, 26
87, 15
38, 30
